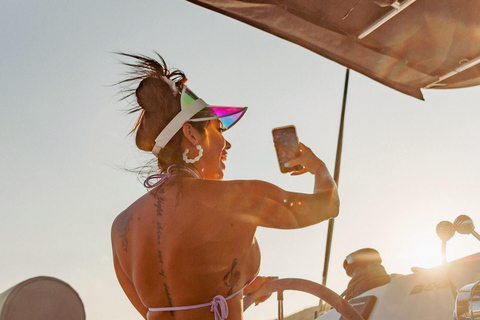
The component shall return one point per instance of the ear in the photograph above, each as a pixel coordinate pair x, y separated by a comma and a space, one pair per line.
191, 134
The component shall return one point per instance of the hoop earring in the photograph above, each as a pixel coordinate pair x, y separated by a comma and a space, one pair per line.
200, 154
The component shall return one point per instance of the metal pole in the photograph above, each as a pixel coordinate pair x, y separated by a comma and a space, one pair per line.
280, 304
336, 177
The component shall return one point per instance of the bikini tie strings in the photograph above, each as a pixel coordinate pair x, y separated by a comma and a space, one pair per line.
161, 177
219, 307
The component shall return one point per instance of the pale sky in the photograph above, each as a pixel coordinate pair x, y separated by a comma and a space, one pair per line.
407, 164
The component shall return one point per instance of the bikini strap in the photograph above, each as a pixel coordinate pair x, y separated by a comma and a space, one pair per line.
218, 305
161, 177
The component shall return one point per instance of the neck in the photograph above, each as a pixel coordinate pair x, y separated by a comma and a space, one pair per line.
174, 168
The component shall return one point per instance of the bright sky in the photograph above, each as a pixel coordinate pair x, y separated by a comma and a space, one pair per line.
407, 164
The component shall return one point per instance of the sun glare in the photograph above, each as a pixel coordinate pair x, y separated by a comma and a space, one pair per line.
428, 254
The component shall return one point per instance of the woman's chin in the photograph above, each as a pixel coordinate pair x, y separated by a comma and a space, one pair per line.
220, 173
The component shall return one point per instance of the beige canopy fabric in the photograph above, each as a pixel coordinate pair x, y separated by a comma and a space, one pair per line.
413, 45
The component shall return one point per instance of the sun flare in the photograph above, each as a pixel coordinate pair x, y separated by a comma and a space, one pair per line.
428, 254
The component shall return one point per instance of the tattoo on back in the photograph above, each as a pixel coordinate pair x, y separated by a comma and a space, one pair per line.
159, 233
232, 277
123, 226
159, 206
159, 211
159, 195
167, 292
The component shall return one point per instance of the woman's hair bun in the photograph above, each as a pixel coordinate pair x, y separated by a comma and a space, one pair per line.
152, 93
155, 99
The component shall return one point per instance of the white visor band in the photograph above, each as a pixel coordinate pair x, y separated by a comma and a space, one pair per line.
173, 126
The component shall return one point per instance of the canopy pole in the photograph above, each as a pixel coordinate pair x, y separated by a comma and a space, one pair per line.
336, 177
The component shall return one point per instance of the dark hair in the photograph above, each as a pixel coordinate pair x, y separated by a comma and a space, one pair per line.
157, 104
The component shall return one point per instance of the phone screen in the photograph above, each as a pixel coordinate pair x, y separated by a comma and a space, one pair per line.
286, 145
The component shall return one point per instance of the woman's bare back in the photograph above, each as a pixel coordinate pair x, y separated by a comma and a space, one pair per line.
176, 249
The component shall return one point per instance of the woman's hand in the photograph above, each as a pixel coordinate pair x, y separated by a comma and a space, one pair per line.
323, 180
256, 285
307, 161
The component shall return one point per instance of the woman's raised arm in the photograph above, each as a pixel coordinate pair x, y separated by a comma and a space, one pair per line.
264, 204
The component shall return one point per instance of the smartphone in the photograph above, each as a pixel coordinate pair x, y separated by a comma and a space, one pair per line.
286, 145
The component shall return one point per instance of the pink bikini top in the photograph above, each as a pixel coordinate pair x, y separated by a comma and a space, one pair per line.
218, 305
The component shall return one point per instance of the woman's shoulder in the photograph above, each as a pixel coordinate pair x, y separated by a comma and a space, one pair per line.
123, 220
225, 187
232, 194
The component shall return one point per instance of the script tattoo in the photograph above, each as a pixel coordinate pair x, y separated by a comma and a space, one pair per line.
167, 291
160, 259
160, 212
159, 233
123, 225
232, 277
159, 206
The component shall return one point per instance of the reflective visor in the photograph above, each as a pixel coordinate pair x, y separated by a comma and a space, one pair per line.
195, 109
227, 115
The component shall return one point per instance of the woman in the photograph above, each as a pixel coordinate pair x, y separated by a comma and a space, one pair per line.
187, 248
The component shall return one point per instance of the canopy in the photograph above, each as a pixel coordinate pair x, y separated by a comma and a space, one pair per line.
406, 45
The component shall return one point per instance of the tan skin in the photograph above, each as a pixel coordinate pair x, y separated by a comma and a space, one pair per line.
190, 239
